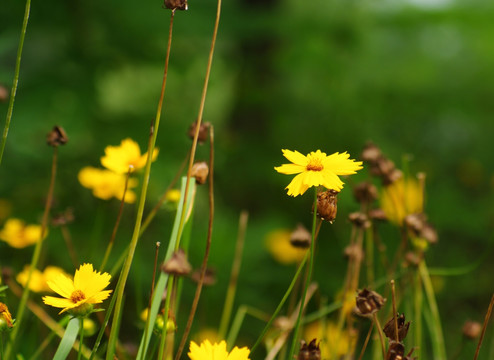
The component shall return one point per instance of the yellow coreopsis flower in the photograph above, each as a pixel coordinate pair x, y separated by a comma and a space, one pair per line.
79, 295
106, 184
19, 235
119, 158
316, 169
401, 198
39, 279
279, 246
208, 351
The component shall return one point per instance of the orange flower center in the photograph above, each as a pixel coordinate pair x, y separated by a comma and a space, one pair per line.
77, 295
314, 165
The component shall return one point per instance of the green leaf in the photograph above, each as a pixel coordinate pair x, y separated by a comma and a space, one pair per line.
68, 339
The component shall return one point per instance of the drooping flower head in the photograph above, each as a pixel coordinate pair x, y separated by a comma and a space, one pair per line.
79, 295
106, 184
316, 169
19, 235
208, 351
119, 158
5, 317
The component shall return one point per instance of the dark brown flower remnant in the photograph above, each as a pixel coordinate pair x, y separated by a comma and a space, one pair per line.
365, 192
300, 237
200, 171
177, 264
418, 225
378, 214
471, 329
369, 302
57, 136
176, 4
4, 93
396, 351
309, 352
203, 131
359, 219
380, 165
209, 276
327, 205
354, 252
390, 331
63, 218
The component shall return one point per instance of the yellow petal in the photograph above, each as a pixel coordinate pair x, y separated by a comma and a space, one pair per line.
295, 157
62, 285
57, 302
341, 165
297, 186
289, 169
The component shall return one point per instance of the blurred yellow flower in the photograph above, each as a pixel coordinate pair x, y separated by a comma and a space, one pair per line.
119, 158
19, 235
79, 295
279, 246
106, 184
173, 196
208, 351
89, 327
317, 169
207, 334
334, 343
401, 198
39, 279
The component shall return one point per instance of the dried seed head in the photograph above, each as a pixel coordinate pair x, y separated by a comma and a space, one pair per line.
200, 171
359, 219
415, 222
209, 276
369, 302
377, 214
300, 237
354, 252
365, 192
177, 264
390, 331
429, 233
176, 4
371, 153
314, 350
303, 353
326, 205
63, 218
471, 329
412, 259
203, 131
396, 351
57, 136
4, 93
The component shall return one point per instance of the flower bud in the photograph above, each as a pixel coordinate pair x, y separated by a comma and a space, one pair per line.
369, 302
56, 137
326, 205
200, 171
300, 237
176, 4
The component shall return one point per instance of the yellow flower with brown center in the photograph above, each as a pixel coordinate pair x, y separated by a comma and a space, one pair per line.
208, 351
79, 295
19, 235
279, 246
119, 158
316, 169
401, 198
5, 317
39, 279
106, 184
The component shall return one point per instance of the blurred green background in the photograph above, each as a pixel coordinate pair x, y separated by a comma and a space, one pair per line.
416, 77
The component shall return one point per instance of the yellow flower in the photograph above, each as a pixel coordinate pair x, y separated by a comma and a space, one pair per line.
19, 235
334, 343
279, 246
317, 169
80, 294
208, 351
5, 317
39, 279
106, 184
173, 196
119, 158
401, 198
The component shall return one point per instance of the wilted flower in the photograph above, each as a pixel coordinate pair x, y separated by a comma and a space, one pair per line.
327, 205
317, 169
5, 318
79, 295
19, 235
106, 184
119, 158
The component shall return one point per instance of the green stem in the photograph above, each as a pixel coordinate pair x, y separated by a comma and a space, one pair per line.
437, 332
13, 91
169, 294
35, 258
307, 281
417, 304
282, 302
380, 332
81, 332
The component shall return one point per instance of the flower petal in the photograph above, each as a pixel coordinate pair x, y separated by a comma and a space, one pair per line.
341, 165
289, 169
297, 185
57, 302
62, 285
295, 157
